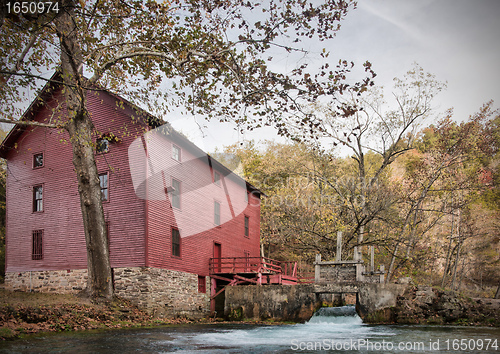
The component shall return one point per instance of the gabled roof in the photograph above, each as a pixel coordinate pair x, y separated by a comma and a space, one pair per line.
154, 122
46, 93
33, 109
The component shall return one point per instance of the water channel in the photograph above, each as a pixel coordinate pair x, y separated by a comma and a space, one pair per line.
329, 330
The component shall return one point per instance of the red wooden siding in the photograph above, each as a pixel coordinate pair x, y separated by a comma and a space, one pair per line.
61, 220
195, 217
124, 211
138, 212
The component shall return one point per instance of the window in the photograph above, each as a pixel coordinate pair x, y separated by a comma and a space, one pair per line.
103, 182
247, 231
175, 195
202, 285
217, 178
176, 243
37, 245
37, 198
176, 153
216, 213
38, 160
102, 145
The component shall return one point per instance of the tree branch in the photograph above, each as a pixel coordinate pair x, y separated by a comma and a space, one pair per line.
20, 60
32, 123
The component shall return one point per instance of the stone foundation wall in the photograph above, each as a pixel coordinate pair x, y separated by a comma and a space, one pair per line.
48, 281
161, 291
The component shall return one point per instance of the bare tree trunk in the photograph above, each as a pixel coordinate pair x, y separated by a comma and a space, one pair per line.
457, 259
80, 128
391, 266
455, 266
396, 249
449, 255
362, 177
497, 295
462, 274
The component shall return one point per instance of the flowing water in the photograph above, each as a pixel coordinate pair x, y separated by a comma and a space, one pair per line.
330, 329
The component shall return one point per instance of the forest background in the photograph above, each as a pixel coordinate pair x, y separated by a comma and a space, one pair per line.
426, 197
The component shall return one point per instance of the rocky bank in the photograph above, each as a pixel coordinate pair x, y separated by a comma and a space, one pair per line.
428, 305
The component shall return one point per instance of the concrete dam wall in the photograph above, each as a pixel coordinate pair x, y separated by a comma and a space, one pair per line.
298, 302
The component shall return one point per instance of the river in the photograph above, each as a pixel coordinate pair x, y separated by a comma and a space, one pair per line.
329, 330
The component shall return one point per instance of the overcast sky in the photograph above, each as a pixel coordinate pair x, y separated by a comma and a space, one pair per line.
457, 40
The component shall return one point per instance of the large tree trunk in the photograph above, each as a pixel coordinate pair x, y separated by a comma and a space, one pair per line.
80, 127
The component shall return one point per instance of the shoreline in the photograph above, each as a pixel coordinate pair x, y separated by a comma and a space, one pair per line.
23, 314
26, 314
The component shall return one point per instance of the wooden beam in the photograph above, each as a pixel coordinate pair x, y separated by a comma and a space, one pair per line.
220, 278
246, 279
218, 292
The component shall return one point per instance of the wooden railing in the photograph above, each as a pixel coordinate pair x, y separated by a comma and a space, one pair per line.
251, 265
289, 268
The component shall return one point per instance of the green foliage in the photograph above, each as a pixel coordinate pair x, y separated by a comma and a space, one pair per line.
237, 314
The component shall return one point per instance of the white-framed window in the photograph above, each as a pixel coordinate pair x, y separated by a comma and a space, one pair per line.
216, 213
104, 183
217, 178
38, 198
102, 145
175, 194
38, 160
176, 152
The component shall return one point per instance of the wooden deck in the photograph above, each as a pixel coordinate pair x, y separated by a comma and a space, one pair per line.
253, 270
231, 271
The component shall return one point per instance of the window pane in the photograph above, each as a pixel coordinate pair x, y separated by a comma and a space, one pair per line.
176, 243
216, 178
216, 213
37, 245
176, 153
176, 194
246, 226
38, 160
102, 145
103, 182
202, 288
38, 198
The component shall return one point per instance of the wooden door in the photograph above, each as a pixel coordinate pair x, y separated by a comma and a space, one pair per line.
217, 257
